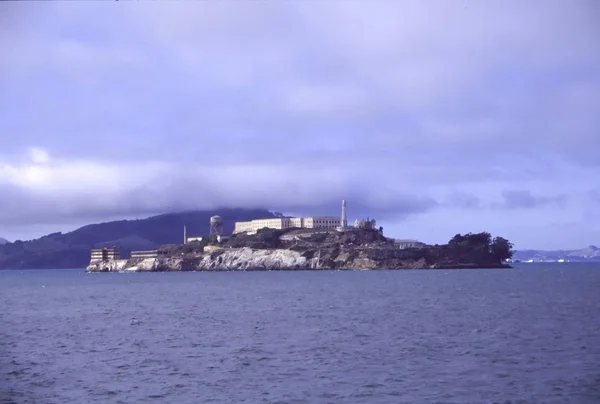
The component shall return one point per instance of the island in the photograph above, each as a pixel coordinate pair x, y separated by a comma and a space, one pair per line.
308, 249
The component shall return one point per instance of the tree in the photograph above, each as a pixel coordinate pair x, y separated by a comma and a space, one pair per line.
457, 239
482, 239
501, 249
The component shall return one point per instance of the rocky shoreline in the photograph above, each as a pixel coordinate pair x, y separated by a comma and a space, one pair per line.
296, 250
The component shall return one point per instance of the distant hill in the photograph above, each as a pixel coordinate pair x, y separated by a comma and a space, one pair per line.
591, 253
72, 250
3, 241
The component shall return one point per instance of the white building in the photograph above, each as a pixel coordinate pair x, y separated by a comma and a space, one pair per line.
314, 222
220, 238
402, 244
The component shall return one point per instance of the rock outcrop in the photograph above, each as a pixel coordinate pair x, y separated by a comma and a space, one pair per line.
300, 249
107, 266
229, 260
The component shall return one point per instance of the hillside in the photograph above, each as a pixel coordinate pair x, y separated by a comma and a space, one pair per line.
591, 253
3, 241
296, 249
72, 250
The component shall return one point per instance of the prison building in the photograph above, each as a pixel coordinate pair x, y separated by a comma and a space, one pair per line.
144, 254
315, 222
402, 244
104, 254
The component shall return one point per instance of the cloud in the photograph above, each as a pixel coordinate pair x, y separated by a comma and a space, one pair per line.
463, 200
63, 190
39, 156
594, 195
405, 109
522, 199
454, 88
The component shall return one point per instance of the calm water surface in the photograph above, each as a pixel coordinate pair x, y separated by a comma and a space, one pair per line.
531, 334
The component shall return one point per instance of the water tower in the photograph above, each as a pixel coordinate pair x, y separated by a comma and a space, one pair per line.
216, 225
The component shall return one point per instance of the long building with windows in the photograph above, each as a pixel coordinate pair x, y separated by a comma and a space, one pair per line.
315, 222
104, 254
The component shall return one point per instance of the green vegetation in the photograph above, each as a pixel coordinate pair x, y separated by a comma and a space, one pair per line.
264, 238
351, 249
482, 246
472, 250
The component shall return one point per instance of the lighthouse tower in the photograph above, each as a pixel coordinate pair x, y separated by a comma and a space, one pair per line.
344, 222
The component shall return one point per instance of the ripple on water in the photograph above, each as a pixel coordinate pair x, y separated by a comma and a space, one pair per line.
301, 337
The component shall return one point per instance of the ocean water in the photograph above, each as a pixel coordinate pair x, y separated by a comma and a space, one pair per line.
527, 335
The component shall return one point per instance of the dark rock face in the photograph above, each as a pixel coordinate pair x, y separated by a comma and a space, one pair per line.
369, 248
265, 238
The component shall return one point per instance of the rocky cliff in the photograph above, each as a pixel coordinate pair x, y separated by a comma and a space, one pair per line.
231, 259
301, 249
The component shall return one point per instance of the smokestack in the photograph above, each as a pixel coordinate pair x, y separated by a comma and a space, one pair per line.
344, 218
184, 234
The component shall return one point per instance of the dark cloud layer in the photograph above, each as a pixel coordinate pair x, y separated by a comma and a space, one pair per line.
463, 200
419, 114
522, 199
21, 207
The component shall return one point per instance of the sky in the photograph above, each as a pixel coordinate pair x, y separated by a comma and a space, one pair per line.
434, 118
